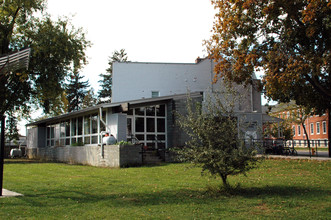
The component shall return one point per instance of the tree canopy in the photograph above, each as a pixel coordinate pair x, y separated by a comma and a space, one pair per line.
288, 40
58, 49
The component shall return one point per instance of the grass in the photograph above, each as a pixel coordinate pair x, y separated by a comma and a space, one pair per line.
281, 189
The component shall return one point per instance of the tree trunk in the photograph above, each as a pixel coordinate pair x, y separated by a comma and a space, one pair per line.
224, 180
307, 138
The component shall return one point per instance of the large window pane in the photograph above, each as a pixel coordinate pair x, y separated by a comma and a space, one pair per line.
62, 129
150, 111
87, 125
140, 127
67, 124
94, 139
94, 120
102, 126
160, 125
73, 127
160, 110
87, 140
140, 111
80, 125
150, 124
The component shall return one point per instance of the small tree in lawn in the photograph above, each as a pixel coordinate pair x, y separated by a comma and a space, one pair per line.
214, 139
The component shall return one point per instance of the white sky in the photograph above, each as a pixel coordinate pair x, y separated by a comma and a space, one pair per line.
149, 30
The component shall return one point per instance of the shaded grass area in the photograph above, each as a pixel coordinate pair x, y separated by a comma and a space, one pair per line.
277, 189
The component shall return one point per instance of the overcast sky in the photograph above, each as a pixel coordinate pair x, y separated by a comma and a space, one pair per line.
149, 30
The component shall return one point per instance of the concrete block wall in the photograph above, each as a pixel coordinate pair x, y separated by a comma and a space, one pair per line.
114, 155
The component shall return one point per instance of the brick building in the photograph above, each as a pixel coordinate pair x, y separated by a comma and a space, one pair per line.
316, 127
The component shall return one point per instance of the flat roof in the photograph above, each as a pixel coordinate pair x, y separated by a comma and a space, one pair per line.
112, 105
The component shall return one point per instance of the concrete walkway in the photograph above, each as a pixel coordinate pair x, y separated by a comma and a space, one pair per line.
7, 193
298, 157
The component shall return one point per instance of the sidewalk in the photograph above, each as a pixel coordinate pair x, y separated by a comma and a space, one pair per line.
7, 193
299, 157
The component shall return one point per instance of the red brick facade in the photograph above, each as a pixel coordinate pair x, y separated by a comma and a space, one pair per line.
316, 127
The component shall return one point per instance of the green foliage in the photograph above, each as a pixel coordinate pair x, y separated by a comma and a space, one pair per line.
58, 49
11, 127
77, 144
214, 141
76, 91
124, 143
106, 81
288, 40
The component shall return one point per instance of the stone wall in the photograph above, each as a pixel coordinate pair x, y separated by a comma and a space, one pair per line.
113, 155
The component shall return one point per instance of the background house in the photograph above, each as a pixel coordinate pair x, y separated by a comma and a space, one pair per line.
316, 126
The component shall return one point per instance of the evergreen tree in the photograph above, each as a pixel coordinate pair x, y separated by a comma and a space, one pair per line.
90, 99
106, 81
76, 92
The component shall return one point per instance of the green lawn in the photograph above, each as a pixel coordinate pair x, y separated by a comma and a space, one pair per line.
281, 189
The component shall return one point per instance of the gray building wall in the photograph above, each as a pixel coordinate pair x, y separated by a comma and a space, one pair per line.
36, 137
114, 155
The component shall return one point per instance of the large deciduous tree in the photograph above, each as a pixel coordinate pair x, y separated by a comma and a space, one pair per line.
288, 40
57, 50
106, 81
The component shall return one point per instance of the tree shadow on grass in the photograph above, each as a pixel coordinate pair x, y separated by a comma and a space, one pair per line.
184, 196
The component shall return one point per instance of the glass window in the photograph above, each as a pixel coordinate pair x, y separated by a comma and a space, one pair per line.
94, 120
151, 137
87, 140
150, 111
140, 137
62, 129
73, 127
67, 124
160, 110
318, 129
94, 139
87, 125
80, 125
155, 94
160, 125
129, 126
140, 126
102, 126
324, 127
140, 111
299, 130
312, 128
150, 124
52, 132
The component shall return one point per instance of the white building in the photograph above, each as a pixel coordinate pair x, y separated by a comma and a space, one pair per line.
145, 97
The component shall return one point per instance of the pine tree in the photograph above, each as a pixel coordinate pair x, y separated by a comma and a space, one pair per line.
76, 92
106, 81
